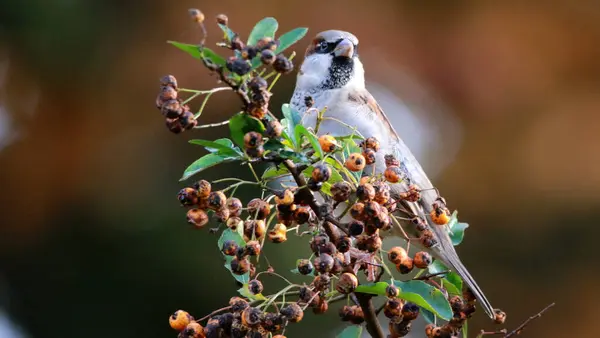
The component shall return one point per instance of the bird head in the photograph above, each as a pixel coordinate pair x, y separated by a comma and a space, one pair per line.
331, 62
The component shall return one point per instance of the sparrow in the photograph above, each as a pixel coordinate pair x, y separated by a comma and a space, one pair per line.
334, 77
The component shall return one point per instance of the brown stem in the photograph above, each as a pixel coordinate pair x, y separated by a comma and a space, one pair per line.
525, 323
373, 326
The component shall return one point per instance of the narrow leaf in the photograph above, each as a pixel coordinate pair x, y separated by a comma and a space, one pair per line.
300, 131
218, 148
425, 296
264, 28
229, 34
289, 38
204, 162
354, 331
197, 53
373, 288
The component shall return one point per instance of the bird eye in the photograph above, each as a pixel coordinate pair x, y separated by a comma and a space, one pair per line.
322, 47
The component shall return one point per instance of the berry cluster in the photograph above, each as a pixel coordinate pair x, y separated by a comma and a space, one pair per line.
178, 116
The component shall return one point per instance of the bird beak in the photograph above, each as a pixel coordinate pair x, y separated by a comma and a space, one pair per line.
344, 48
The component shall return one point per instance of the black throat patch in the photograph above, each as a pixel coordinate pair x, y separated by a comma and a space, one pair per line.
340, 73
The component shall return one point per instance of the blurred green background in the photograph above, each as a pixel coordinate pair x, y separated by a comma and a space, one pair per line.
94, 244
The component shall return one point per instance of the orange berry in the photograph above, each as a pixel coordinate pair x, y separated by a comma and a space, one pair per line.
393, 174
197, 217
397, 254
347, 283
371, 143
422, 259
179, 320
193, 330
369, 155
355, 162
439, 216
284, 198
328, 143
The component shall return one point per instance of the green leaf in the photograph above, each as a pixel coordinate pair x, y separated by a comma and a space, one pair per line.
228, 234
428, 315
274, 172
436, 267
354, 331
300, 131
465, 329
289, 38
219, 148
197, 53
289, 122
245, 292
373, 288
425, 296
454, 279
214, 57
203, 163
264, 28
451, 288
240, 124
229, 34
457, 230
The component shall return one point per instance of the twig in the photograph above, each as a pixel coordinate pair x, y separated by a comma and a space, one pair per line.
490, 333
431, 275
223, 309
373, 326
525, 323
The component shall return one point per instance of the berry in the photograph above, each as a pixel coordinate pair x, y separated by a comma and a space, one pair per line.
196, 15
355, 162
391, 205
252, 140
230, 247
282, 64
373, 243
405, 266
412, 195
267, 57
193, 330
188, 120
397, 254
217, 200
222, 215
257, 84
278, 234
305, 267
168, 80
328, 143
392, 291
439, 215
393, 174
422, 259
237, 44
285, 197
272, 322
293, 313
382, 192
314, 185
321, 307
341, 191
187, 196
167, 93
171, 109
225, 321
234, 205
357, 211
499, 316
371, 143
324, 263
264, 43
393, 308
252, 248
252, 317
456, 303
239, 66
274, 129
255, 152
203, 188
254, 229
259, 209
347, 283
468, 295
321, 172
233, 222
343, 244
255, 286
302, 215
427, 239
222, 19
179, 320
197, 217
365, 192
410, 311
356, 228
390, 160
370, 156
372, 209
174, 125
240, 266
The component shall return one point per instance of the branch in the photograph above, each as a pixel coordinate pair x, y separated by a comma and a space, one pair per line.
373, 326
525, 323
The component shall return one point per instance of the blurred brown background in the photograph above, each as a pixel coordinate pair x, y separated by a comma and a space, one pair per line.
94, 244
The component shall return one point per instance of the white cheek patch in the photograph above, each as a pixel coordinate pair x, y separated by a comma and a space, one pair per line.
314, 71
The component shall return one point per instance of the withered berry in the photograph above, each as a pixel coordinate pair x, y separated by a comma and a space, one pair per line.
500, 316
222, 215
272, 322
252, 140
229, 247
168, 80
314, 185
393, 308
372, 209
356, 228
285, 197
371, 143
197, 217
225, 321
282, 64
253, 248
255, 286
422, 259
370, 156
357, 211
234, 205
308, 296
212, 329
390, 160
391, 205
419, 224
400, 329
397, 254
248, 52
167, 93
321, 307
234, 222
196, 15
405, 266
468, 295
321, 172
347, 283
217, 200
239, 66
343, 244
412, 195
302, 215
188, 120
410, 311
255, 152
179, 320
264, 42
392, 291
174, 125
222, 19
393, 174
341, 191
318, 242
274, 129
321, 282
193, 330
267, 57
254, 229
382, 192
237, 44
328, 143
171, 109
456, 303
323, 263
252, 317
293, 313
259, 209
187, 196
365, 192
355, 162
240, 266
305, 267
238, 304
203, 188
439, 216
373, 243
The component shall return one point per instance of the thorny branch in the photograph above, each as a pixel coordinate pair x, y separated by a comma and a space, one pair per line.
519, 328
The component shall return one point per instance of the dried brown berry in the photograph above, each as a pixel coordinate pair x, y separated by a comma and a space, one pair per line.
323, 263
167, 93
272, 322
252, 248
346, 283
203, 188
196, 15
179, 320
285, 197
410, 311
234, 205
343, 244
222, 19
237, 44
390, 160
302, 215
230, 247
420, 225
393, 308
499, 316
252, 317
217, 200
382, 192
171, 109
318, 242
456, 303
328, 143
356, 228
187, 196
413, 194
255, 286
371, 143
254, 229
397, 254
392, 291
252, 140
222, 215
267, 57
240, 266
405, 266
321, 282
259, 209
341, 191
393, 174
278, 234
197, 217
372, 209
321, 172
274, 129
188, 120
439, 215
422, 259
168, 80
234, 222
293, 313
373, 243
264, 42
255, 152
174, 125
305, 267
357, 211
282, 64
370, 156
238, 304
193, 330
355, 162
365, 192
